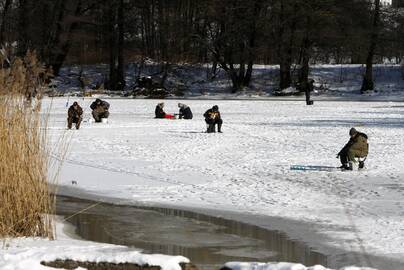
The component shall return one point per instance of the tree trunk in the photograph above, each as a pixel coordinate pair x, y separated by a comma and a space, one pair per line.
3, 20
116, 70
60, 43
285, 51
304, 70
251, 43
305, 58
285, 77
367, 83
236, 82
162, 31
22, 45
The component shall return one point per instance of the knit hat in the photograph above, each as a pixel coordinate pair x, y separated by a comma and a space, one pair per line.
352, 131
215, 108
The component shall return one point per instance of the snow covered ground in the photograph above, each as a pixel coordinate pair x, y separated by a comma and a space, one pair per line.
246, 170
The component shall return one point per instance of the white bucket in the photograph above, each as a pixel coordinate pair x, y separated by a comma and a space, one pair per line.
104, 120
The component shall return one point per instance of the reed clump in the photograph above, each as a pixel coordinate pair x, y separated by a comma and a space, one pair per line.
26, 205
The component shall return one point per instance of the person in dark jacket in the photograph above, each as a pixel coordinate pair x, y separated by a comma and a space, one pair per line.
357, 147
100, 109
185, 111
74, 115
160, 113
212, 117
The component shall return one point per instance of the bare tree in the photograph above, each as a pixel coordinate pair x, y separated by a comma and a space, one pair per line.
231, 38
6, 7
368, 83
116, 42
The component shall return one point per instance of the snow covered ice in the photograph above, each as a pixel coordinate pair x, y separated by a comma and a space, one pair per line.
138, 159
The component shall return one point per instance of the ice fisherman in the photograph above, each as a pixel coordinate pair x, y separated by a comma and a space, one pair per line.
74, 115
100, 109
357, 147
160, 113
212, 117
185, 111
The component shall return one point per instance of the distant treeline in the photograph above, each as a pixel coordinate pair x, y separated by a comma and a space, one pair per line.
230, 34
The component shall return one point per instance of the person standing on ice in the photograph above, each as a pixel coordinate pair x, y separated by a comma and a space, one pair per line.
100, 109
185, 111
74, 115
160, 113
212, 117
357, 147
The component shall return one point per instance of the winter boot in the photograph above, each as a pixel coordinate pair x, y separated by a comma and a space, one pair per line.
350, 166
361, 165
346, 167
343, 166
219, 128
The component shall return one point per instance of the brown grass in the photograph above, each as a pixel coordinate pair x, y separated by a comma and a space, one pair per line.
26, 206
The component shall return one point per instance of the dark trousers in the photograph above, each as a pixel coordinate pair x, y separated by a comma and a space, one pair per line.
211, 125
76, 120
343, 156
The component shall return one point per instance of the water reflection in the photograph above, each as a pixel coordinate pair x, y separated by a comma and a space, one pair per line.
207, 241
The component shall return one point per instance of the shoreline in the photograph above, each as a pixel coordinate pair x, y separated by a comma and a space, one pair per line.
312, 235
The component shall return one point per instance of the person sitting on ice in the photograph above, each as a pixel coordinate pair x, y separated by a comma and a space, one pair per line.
185, 111
160, 113
357, 147
74, 115
100, 109
212, 117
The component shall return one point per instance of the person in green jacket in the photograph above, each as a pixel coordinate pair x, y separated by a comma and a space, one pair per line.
357, 147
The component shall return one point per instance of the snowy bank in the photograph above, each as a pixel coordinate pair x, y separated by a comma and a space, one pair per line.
280, 266
28, 253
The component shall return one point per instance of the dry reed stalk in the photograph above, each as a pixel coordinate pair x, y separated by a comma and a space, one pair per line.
26, 206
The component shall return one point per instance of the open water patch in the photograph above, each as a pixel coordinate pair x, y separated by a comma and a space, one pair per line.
207, 241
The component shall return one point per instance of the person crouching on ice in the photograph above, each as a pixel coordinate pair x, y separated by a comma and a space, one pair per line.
74, 115
185, 111
160, 113
100, 109
357, 147
212, 117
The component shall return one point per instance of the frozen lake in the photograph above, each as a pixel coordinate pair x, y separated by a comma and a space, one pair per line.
135, 158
